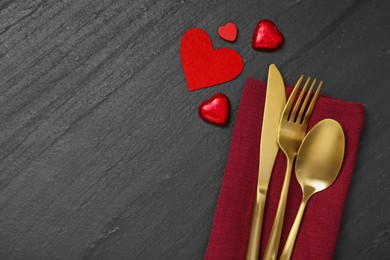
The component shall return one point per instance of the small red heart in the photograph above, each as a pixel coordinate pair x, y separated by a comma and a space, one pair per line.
266, 36
215, 110
202, 65
228, 32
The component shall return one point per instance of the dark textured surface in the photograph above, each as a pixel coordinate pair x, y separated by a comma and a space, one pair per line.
102, 153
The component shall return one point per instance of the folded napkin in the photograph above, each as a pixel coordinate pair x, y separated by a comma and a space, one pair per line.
321, 221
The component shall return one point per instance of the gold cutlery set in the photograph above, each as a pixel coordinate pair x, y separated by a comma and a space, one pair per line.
318, 156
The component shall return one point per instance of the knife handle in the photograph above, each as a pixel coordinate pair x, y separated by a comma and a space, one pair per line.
271, 251
257, 223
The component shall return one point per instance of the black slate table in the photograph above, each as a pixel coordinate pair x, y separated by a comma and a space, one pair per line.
102, 153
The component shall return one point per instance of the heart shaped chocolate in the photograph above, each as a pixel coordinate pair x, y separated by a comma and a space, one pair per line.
266, 36
215, 110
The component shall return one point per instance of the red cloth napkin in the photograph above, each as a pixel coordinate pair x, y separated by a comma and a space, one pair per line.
321, 221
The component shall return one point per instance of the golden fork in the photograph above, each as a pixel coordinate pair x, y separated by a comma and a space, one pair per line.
292, 130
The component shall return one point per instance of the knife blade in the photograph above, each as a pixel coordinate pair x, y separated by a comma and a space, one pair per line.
275, 100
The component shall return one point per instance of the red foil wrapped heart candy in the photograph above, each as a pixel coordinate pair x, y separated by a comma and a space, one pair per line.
215, 110
266, 36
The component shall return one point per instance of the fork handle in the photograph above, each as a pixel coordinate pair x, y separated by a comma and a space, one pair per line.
257, 222
271, 250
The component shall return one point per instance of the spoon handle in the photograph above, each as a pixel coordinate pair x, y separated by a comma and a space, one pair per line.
272, 248
289, 246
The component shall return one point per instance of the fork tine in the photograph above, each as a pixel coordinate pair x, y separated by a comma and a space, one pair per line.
298, 102
304, 104
312, 104
290, 100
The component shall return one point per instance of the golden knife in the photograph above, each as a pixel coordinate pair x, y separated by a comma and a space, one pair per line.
275, 100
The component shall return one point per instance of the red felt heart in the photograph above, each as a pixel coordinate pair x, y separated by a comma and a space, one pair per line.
215, 110
202, 65
228, 32
266, 36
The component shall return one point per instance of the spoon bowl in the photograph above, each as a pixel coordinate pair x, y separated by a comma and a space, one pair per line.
317, 166
320, 157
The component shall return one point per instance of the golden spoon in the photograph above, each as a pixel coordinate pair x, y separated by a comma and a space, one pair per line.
317, 165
